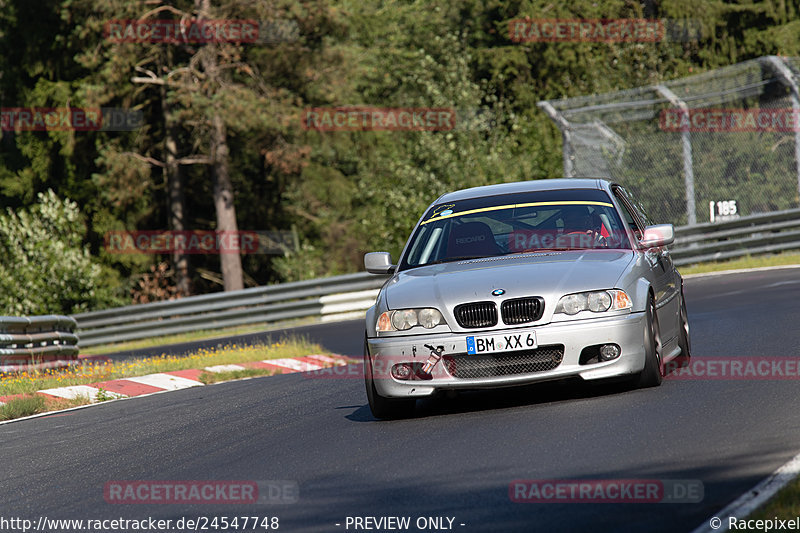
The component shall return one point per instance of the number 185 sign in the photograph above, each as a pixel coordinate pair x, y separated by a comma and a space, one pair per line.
722, 211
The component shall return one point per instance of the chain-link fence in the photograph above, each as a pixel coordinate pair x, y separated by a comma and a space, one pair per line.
697, 149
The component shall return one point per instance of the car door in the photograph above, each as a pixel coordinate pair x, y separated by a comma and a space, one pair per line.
664, 278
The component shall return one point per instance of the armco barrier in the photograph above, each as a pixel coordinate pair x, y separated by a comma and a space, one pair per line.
348, 296
37, 342
326, 299
748, 235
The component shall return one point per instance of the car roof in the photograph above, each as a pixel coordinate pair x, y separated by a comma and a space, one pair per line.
525, 186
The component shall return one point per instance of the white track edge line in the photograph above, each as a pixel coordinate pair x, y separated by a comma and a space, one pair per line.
751, 500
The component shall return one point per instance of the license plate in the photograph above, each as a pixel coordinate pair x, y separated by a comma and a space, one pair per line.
501, 343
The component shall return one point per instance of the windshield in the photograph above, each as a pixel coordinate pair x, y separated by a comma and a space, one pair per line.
516, 223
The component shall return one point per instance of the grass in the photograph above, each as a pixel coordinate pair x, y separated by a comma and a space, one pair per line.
103, 395
23, 406
93, 372
781, 259
22, 386
33, 404
785, 505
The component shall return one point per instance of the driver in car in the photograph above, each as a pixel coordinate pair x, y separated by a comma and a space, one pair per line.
578, 222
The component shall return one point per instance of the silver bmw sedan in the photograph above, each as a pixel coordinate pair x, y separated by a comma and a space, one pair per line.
518, 283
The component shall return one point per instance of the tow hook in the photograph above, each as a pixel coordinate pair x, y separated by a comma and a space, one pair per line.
436, 355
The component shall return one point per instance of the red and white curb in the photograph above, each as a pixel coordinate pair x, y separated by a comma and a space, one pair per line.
182, 379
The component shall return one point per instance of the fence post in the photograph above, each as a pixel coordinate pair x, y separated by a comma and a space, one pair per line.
566, 136
688, 169
778, 65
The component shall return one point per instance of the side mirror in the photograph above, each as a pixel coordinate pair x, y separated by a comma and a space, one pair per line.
379, 263
655, 236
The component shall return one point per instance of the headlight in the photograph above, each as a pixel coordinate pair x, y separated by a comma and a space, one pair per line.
595, 301
403, 319
571, 304
430, 318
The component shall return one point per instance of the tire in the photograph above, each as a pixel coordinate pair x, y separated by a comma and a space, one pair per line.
653, 371
684, 341
381, 407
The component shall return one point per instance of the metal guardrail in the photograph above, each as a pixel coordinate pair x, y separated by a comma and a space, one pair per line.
748, 235
327, 298
349, 295
37, 342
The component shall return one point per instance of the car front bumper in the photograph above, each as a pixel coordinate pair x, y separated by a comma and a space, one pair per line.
626, 331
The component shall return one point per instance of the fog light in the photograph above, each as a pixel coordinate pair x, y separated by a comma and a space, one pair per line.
609, 352
401, 371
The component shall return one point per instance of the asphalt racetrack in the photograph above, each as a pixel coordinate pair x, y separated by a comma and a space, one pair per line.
457, 457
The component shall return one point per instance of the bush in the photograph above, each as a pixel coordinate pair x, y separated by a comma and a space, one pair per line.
44, 266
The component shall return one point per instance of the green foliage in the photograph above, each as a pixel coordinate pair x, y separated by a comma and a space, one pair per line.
103, 395
22, 406
44, 266
365, 190
344, 193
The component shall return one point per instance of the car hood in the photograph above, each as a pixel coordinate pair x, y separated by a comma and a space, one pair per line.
547, 274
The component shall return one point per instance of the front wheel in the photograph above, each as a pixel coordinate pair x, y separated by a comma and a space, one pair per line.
381, 407
653, 371
683, 336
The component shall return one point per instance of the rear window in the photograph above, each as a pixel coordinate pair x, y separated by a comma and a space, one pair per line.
516, 223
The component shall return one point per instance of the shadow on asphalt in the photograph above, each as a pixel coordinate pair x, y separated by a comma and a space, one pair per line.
462, 402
